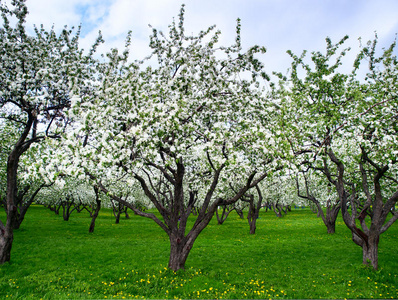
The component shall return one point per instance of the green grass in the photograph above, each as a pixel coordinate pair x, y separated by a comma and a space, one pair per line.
292, 257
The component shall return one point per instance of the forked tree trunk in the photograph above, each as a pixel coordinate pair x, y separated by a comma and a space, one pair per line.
57, 208
225, 212
179, 251
277, 210
239, 212
329, 219
117, 210
370, 246
19, 216
67, 208
332, 210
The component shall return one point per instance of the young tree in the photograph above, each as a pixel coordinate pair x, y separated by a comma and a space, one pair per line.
185, 128
344, 127
37, 74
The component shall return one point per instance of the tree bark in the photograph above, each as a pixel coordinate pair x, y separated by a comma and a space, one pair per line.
331, 216
252, 225
180, 248
6, 239
370, 251
96, 212
7, 231
331, 227
254, 210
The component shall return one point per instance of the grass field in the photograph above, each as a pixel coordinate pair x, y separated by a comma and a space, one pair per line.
292, 258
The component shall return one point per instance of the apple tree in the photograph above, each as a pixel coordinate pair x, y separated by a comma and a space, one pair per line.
186, 125
37, 73
344, 127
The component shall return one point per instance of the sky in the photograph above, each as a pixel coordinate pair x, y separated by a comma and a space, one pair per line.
279, 25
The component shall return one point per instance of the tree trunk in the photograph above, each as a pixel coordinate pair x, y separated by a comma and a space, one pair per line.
370, 251
15, 221
332, 211
240, 212
7, 231
6, 238
252, 224
94, 216
19, 216
66, 214
224, 215
117, 210
331, 226
251, 215
277, 210
65, 211
126, 214
57, 208
117, 217
179, 251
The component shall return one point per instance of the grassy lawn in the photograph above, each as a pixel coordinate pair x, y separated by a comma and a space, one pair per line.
292, 257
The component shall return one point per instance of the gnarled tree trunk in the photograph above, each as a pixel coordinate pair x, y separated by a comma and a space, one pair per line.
180, 248
371, 251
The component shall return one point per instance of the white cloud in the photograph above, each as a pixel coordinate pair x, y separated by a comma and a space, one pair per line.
277, 24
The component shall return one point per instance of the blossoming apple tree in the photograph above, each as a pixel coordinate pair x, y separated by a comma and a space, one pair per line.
37, 73
345, 128
190, 126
